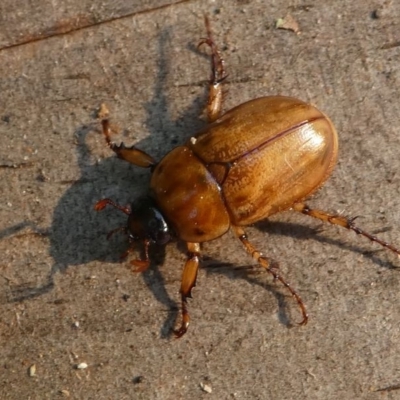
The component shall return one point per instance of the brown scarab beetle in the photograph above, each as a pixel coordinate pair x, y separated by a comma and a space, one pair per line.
258, 159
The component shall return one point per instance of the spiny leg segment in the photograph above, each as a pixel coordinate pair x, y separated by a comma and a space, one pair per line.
344, 222
263, 261
189, 276
218, 75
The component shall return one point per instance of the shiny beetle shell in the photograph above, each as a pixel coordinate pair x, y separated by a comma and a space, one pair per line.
258, 159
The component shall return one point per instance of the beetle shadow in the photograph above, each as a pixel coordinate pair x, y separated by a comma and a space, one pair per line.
251, 273
77, 234
302, 232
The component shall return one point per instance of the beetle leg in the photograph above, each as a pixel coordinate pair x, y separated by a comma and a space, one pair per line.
101, 204
131, 154
263, 261
142, 264
189, 276
114, 231
218, 75
343, 221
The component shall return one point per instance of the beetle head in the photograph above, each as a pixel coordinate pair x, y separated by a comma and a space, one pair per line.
146, 222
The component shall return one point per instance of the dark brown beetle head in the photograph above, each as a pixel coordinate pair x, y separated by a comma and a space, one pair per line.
146, 223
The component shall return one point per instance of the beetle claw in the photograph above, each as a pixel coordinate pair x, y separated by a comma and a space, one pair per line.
203, 41
181, 331
304, 321
185, 323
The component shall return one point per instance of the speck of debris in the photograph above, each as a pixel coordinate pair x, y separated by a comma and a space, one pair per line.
103, 112
288, 23
125, 297
205, 387
375, 14
82, 365
42, 177
138, 379
32, 370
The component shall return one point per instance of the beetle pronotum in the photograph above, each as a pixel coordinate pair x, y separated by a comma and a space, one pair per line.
258, 159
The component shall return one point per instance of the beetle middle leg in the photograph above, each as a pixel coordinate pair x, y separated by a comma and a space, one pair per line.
189, 276
218, 75
263, 261
343, 221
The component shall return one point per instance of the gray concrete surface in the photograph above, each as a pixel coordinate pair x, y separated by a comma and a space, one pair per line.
65, 299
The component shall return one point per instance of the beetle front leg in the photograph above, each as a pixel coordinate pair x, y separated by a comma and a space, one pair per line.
218, 75
189, 276
263, 261
131, 154
343, 221
142, 264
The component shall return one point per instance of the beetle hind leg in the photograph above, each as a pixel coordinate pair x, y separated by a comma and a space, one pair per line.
263, 261
344, 222
218, 75
189, 276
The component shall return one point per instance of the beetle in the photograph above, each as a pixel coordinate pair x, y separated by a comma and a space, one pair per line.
258, 159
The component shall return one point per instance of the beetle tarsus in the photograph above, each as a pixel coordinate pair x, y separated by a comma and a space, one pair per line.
344, 222
185, 320
189, 276
217, 62
101, 204
273, 270
218, 75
